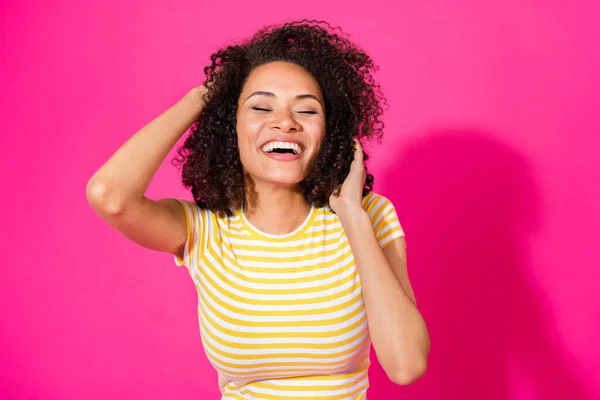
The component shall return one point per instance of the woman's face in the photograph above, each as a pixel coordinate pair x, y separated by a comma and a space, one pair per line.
280, 123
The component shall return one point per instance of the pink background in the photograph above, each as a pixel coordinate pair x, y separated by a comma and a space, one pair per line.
491, 158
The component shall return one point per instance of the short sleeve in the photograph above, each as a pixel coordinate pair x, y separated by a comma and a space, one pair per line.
385, 222
194, 219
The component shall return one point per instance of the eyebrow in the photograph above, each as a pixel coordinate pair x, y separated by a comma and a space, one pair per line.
298, 96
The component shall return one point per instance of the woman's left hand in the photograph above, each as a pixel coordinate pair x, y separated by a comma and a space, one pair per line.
350, 196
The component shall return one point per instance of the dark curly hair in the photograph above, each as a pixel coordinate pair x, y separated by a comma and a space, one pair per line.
353, 104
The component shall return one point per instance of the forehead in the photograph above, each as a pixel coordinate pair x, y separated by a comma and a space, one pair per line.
281, 76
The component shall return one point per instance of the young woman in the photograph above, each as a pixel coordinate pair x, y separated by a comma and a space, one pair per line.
298, 265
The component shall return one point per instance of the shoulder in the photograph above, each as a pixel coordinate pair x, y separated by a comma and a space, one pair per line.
192, 207
384, 218
376, 203
197, 216
192, 211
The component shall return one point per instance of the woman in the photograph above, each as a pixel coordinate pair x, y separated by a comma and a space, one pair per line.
290, 250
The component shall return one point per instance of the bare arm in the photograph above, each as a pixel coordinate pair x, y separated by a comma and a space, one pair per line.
397, 328
117, 190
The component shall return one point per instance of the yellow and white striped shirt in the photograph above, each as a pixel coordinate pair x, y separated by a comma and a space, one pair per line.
282, 316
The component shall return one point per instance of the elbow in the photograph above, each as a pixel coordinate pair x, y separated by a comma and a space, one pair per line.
406, 368
408, 374
101, 199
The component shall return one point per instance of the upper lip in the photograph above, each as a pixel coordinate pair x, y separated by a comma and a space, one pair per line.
283, 139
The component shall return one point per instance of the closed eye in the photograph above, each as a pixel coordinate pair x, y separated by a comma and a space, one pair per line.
307, 112
260, 109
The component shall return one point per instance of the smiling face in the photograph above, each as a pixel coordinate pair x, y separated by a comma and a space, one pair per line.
280, 123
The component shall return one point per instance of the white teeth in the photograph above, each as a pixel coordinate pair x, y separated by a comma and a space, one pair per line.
269, 147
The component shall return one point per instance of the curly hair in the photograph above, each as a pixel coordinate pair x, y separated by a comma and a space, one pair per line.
353, 104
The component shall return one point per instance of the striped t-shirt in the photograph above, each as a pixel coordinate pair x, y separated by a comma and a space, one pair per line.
282, 316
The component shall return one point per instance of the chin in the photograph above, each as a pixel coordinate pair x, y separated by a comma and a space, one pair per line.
283, 179
286, 181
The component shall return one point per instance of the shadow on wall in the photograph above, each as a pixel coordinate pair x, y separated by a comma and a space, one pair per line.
469, 205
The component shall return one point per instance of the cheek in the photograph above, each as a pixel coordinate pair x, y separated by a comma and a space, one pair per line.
247, 134
248, 129
244, 136
318, 135
245, 148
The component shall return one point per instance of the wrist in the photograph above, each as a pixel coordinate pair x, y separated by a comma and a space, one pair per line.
348, 212
197, 94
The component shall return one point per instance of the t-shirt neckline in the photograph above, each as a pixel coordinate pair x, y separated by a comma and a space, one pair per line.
295, 232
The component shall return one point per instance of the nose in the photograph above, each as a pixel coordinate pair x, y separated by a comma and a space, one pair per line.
284, 121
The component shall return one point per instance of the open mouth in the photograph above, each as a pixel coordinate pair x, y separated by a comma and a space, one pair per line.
283, 148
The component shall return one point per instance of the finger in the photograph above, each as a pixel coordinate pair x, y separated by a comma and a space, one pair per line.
358, 153
337, 191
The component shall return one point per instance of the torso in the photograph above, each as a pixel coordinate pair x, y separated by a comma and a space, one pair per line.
280, 315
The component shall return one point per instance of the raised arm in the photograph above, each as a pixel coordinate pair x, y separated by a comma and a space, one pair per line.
117, 190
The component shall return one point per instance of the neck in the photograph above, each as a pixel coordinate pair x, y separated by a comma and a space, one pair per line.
275, 210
